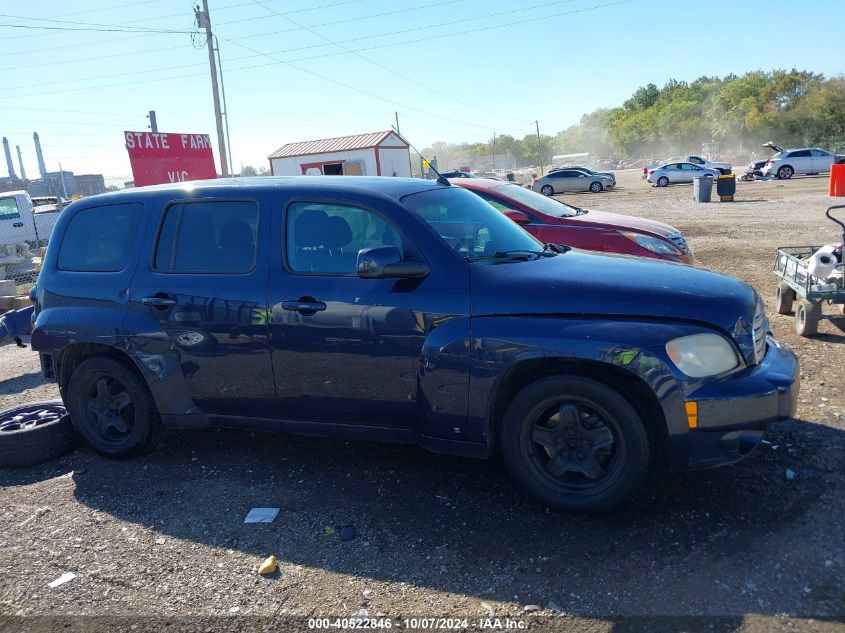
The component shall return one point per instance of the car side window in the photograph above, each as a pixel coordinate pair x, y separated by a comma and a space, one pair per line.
218, 236
818, 153
99, 239
696, 160
9, 209
497, 204
324, 238
801, 153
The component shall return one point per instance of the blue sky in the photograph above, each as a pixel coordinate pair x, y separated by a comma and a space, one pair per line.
455, 70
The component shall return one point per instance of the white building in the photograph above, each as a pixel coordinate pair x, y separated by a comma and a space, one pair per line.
376, 154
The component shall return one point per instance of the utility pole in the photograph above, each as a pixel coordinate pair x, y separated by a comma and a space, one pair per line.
153, 124
397, 122
204, 21
494, 151
539, 147
225, 107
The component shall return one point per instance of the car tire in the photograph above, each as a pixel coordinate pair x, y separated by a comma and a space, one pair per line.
112, 408
663, 181
547, 190
34, 433
592, 458
785, 173
784, 297
807, 317
596, 187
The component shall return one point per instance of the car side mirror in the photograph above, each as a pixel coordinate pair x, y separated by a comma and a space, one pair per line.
518, 216
386, 261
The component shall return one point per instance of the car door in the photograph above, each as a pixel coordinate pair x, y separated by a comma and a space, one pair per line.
673, 172
801, 161
345, 349
821, 160
204, 286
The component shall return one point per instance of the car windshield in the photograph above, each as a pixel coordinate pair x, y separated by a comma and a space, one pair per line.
541, 203
473, 228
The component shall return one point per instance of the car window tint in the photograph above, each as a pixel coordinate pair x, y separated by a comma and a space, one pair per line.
819, 153
496, 202
9, 209
801, 153
99, 239
325, 238
217, 236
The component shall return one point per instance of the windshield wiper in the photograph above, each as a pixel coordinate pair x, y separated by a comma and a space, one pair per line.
548, 250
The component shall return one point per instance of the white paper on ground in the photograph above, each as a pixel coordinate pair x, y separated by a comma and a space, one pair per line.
261, 515
66, 577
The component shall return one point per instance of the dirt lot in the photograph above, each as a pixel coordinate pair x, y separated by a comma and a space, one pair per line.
163, 536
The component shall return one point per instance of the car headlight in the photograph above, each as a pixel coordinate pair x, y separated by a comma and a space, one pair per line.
702, 355
653, 244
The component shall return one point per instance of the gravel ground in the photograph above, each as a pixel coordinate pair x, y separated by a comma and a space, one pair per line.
160, 540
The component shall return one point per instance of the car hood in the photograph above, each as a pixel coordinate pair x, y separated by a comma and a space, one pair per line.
623, 222
582, 283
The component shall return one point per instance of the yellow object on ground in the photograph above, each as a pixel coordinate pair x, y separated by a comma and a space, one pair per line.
268, 566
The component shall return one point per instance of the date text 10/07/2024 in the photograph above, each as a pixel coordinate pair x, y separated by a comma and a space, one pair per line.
418, 624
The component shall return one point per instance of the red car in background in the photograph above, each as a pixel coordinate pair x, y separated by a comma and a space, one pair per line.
550, 220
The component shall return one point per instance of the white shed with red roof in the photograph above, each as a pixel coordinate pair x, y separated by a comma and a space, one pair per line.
375, 154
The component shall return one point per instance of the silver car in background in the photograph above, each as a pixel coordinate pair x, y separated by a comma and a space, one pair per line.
675, 173
587, 170
808, 160
571, 180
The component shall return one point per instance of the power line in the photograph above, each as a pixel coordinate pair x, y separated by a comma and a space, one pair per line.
240, 37
386, 68
289, 63
322, 6
86, 29
343, 42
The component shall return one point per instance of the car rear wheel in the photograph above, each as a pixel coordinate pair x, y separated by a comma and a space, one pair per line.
663, 181
547, 190
784, 298
785, 172
111, 408
574, 444
596, 187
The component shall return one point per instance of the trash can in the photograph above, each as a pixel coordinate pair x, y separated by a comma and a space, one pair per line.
702, 188
726, 187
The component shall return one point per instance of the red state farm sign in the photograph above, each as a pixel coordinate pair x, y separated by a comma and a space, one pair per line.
158, 158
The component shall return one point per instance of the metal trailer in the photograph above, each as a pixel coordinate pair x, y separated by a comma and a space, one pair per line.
796, 283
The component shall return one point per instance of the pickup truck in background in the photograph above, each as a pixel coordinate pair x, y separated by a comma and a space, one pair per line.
23, 228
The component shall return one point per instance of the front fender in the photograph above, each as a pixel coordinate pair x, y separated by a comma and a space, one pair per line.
500, 344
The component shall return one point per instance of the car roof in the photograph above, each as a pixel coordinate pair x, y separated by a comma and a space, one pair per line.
374, 185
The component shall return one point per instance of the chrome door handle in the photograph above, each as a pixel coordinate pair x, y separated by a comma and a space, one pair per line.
158, 302
304, 307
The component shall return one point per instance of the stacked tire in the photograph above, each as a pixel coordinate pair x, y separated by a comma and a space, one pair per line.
35, 432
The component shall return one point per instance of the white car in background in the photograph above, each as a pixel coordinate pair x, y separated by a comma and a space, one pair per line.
674, 173
807, 160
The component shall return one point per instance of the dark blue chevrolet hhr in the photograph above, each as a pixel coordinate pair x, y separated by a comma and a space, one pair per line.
403, 311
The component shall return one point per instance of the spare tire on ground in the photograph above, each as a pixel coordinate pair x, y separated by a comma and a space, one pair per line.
35, 432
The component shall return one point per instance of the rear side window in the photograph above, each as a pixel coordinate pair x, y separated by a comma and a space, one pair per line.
801, 153
100, 239
208, 237
9, 209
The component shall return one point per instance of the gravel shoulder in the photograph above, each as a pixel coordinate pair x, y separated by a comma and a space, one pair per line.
162, 536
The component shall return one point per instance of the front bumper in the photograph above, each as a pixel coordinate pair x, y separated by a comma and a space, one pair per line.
733, 413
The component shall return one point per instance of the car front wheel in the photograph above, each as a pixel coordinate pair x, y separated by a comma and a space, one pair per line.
547, 190
596, 187
111, 408
575, 444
